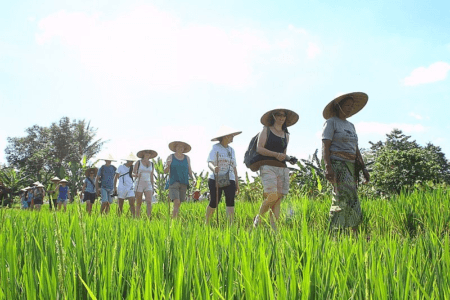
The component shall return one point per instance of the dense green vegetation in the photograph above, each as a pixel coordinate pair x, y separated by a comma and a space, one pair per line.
401, 252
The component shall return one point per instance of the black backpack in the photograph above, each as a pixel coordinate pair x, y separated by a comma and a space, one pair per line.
130, 173
251, 156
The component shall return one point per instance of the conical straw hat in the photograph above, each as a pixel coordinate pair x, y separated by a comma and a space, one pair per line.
131, 157
360, 100
291, 117
108, 157
186, 146
55, 179
153, 153
63, 181
224, 131
36, 183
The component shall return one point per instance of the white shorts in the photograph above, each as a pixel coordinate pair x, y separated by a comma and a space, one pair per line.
125, 192
143, 186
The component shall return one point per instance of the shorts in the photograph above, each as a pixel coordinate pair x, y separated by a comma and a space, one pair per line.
25, 204
107, 195
61, 200
230, 193
275, 179
38, 201
89, 197
143, 186
177, 191
125, 192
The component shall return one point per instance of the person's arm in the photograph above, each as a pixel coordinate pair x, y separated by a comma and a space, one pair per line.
262, 139
152, 180
168, 163
329, 174
212, 160
136, 169
115, 182
361, 160
97, 178
83, 188
236, 181
190, 171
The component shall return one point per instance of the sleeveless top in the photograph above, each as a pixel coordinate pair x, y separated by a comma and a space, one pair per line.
276, 144
179, 171
39, 194
63, 192
145, 172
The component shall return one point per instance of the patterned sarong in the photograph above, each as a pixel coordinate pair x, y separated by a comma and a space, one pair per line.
345, 208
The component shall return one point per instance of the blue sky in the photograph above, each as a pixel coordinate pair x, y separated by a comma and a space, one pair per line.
147, 73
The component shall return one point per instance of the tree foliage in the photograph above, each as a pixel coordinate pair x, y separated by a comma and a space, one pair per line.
48, 151
400, 163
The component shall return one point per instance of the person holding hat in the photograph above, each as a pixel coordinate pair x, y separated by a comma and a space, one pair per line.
222, 163
179, 166
53, 192
88, 193
63, 194
341, 155
126, 184
272, 146
106, 173
144, 173
39, 195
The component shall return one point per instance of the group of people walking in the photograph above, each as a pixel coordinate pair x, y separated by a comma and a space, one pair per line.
135, 178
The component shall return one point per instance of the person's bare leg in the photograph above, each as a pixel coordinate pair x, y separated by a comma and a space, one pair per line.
209, 213
103, 208
275, 213
270, 199
132, 208
88, 207
230, 214
148, 198
176, 208
138, 204
120, 207
65, 206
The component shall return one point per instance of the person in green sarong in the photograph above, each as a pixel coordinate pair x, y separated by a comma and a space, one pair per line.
341, 155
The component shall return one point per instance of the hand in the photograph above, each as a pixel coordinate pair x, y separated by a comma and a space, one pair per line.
329, 174
281, 156
98, 191
216, 169
366, 176
115, 191
238, 190
169, 161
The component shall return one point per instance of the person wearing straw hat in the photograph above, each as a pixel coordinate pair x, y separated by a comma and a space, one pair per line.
63, 194
341, 155
224, 176
272, 146
144, 173
178, 165
126, 184
106, 173
23, 198
51, 191
88, 193
39, 195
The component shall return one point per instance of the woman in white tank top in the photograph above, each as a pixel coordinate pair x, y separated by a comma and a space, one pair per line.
143, 171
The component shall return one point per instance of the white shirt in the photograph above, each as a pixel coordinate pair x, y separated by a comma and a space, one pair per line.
124, 180
227, 159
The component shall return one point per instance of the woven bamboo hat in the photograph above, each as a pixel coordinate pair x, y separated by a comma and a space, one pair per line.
88, 171
55, 179
62, 181
186, 147
291, 117
153, 153
131, 157
27, 188
225, 131
40, 185
360, 100
36, 183
24, 189
108, 157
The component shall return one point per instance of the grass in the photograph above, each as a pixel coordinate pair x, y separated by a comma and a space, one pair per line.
402, 252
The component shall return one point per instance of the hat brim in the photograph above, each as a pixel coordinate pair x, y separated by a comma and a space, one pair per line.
55, 179
89, 170
360, 100
173, 146
231, 133
63, 181
291, 117
153, 153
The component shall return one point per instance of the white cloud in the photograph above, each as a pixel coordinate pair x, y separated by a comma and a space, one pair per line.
365, 128
415, 116
313, 50
31, 19
435, 72
297, 30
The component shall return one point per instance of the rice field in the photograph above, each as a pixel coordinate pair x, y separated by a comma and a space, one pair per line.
402, 252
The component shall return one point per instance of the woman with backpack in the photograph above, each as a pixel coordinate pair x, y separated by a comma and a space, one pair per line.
179, 166
144, 173
224, 177
272, 146
88, 193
